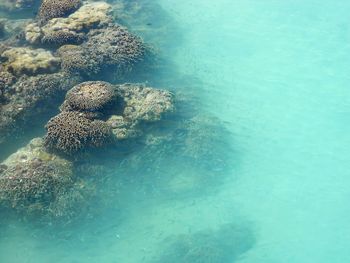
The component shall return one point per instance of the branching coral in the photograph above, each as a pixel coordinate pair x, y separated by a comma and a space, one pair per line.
112, 47
75, 59
71, 132
117, 45
30, 98
57, 8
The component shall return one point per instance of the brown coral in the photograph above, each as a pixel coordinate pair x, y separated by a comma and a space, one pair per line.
71, 132
34, 182
57, 8
117, 45
6, 80
76, 60
90, 96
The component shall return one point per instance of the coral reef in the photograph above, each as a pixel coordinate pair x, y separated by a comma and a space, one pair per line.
140, 104
32, 178
71, 29
22, 60
6, 80
29, 99
117, 45
124, 107
110, 47
69, 41
76, 59
91, 96
35, 182
57, 8
144, 103
71, 132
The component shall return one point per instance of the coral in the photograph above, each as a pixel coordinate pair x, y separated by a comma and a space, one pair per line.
75, 59
108, 47
140, 104
22, 60
57, 8
144, 103
32, 179
100, 134
61, 37
6, 80
90, 96
37, 183
71, 29
30, 99
123, 128
118, 47
71, 132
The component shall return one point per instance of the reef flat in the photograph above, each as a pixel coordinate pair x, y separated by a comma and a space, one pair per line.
63, 72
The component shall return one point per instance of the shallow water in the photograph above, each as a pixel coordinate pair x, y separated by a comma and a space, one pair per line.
270, 81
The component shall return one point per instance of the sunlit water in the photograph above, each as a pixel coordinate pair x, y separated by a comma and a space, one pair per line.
271, 80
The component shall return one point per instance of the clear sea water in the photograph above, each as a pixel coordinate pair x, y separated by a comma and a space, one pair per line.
271, 81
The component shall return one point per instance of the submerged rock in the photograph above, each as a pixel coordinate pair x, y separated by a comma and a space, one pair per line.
23, 60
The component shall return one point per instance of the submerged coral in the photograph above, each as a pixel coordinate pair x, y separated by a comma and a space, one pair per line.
21, 60
6, 80
33, 179
57, 8
75, 59
37, 183
29, 99
71, 29
145, 103
140, 104
110, 47
91, 96
117, 45
71, 132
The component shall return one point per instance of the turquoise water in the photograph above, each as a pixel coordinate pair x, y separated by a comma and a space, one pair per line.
270, 79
